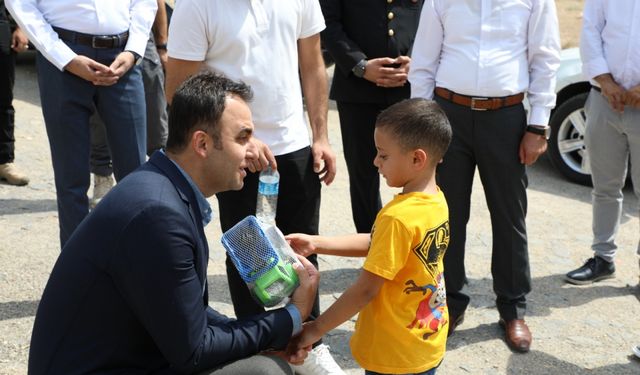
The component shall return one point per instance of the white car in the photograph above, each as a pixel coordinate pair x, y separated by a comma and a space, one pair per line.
567, 150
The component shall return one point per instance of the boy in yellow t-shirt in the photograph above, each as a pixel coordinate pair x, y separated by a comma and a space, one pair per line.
400, 294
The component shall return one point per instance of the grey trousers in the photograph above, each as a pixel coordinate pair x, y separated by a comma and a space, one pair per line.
254, 365
156, 107
612, 139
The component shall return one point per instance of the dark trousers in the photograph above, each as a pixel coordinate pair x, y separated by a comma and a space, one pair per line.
489, 140
298, 211
7, 113
67, 103
357, 123
156, 107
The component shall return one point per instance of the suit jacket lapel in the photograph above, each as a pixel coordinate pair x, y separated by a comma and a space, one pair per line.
187, 194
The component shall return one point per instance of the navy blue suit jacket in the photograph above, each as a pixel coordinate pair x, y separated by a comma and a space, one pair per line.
128, 293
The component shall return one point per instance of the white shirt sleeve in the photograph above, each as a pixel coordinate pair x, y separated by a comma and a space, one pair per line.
188, 31
143, 13
425, 57
40, 33
591, 47
544, 60
311, 20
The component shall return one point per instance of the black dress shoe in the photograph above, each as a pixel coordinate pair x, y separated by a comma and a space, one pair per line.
454, 321
595, 269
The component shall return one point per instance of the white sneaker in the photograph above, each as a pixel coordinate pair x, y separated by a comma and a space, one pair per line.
319, 362
101, 186
636, 350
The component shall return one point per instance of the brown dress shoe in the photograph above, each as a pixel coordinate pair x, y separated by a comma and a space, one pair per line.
454, 321
517, 334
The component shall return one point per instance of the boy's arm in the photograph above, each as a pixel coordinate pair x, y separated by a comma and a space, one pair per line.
352, 245
350, 302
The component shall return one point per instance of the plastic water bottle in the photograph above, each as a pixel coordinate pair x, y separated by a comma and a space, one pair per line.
267, 202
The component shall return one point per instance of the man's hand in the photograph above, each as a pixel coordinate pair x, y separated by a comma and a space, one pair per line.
296, 358
632, 97
379, 72
322, 153
531, 147
613, 92
303, 341
305, 295
301, 243
262, 157
19, 41
91, 70
123, 62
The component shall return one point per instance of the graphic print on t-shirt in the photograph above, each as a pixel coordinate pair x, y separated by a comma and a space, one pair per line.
430, 311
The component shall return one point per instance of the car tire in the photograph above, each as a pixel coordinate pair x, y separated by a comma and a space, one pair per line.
567, 150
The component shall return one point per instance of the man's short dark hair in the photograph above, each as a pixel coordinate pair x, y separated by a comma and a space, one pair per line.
418, 123
198, 104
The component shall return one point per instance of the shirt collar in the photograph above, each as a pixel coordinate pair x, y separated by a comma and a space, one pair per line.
203, 204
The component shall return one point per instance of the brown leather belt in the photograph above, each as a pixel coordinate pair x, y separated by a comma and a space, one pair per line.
94, 41
479, 103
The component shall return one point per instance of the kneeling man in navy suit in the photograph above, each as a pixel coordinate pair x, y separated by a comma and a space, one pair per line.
128, 293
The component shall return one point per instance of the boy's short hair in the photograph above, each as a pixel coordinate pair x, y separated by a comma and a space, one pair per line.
198, 104
418, 123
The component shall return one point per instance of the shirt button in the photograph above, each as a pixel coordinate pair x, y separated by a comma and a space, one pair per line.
390, 15
391, 32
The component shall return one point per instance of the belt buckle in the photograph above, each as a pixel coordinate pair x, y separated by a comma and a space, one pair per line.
93, 42
99, 40
473, 103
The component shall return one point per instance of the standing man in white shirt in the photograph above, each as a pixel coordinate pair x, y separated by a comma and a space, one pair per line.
610, 50
87, 56
479, 71
265, 44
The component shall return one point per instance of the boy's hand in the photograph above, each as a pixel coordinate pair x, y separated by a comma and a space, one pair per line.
302, 342
301, 243
295, 358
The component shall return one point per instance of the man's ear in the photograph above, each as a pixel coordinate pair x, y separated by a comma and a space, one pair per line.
199, 143
420, 158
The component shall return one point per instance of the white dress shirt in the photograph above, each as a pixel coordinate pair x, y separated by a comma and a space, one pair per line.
610, 40
95, 17
488, 48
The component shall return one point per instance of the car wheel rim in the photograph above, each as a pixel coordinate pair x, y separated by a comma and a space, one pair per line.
571, 144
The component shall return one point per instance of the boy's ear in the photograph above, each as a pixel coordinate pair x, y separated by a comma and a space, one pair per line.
420, 158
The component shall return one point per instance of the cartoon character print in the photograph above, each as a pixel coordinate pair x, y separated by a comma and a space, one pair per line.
430, 311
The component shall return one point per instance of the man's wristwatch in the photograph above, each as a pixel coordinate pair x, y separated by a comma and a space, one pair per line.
161, 46
544, 131
360, 68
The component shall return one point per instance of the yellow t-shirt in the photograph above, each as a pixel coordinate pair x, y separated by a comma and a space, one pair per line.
404, 328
